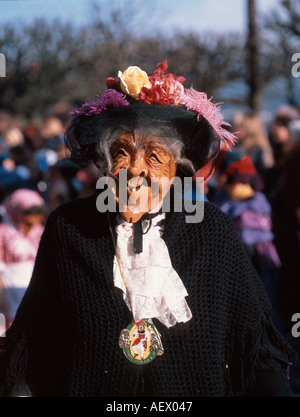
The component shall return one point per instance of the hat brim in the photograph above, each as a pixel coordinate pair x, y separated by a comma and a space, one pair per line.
189, 127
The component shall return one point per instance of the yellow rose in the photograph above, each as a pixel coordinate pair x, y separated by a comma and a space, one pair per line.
132, 80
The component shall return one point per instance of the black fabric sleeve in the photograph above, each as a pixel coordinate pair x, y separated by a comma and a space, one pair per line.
272, 375
271, 384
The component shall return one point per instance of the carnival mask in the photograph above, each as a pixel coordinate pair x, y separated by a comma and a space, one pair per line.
143, 170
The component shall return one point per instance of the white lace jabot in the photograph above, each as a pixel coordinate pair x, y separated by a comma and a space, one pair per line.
154, 287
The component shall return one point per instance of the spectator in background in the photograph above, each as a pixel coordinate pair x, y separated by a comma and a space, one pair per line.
62, 183
62, 111
282, 135
286, 227
22, 224
279, 133
252, 139
294, 130
17, 169
5, 121
51, 144
60, 174
32, 134
286, 220
241, 198
52, 131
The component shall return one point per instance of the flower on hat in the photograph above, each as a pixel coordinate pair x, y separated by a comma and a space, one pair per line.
165, 89
132, 80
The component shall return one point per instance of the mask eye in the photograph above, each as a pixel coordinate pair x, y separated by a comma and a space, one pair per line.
155, 157
120, 152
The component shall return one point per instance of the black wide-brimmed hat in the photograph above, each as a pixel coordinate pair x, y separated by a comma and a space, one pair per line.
157, 104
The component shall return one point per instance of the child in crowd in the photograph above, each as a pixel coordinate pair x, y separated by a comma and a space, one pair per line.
240, 196
21, 226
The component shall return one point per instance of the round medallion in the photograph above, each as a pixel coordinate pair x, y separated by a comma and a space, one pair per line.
139, 342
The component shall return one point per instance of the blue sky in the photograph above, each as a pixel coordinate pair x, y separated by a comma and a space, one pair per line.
182, 15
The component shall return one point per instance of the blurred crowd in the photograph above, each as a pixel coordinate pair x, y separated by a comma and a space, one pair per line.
36, 176
257, 183
33, 156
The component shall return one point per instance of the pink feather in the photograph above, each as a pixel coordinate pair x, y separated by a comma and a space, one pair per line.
198, 102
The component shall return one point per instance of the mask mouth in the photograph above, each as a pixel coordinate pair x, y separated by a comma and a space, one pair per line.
134, 188
135, 184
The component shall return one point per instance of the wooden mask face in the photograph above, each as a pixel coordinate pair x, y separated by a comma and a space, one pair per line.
147, 162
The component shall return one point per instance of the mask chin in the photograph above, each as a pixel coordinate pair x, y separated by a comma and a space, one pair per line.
130, 217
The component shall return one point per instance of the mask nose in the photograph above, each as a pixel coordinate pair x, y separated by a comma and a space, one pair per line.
138, 168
